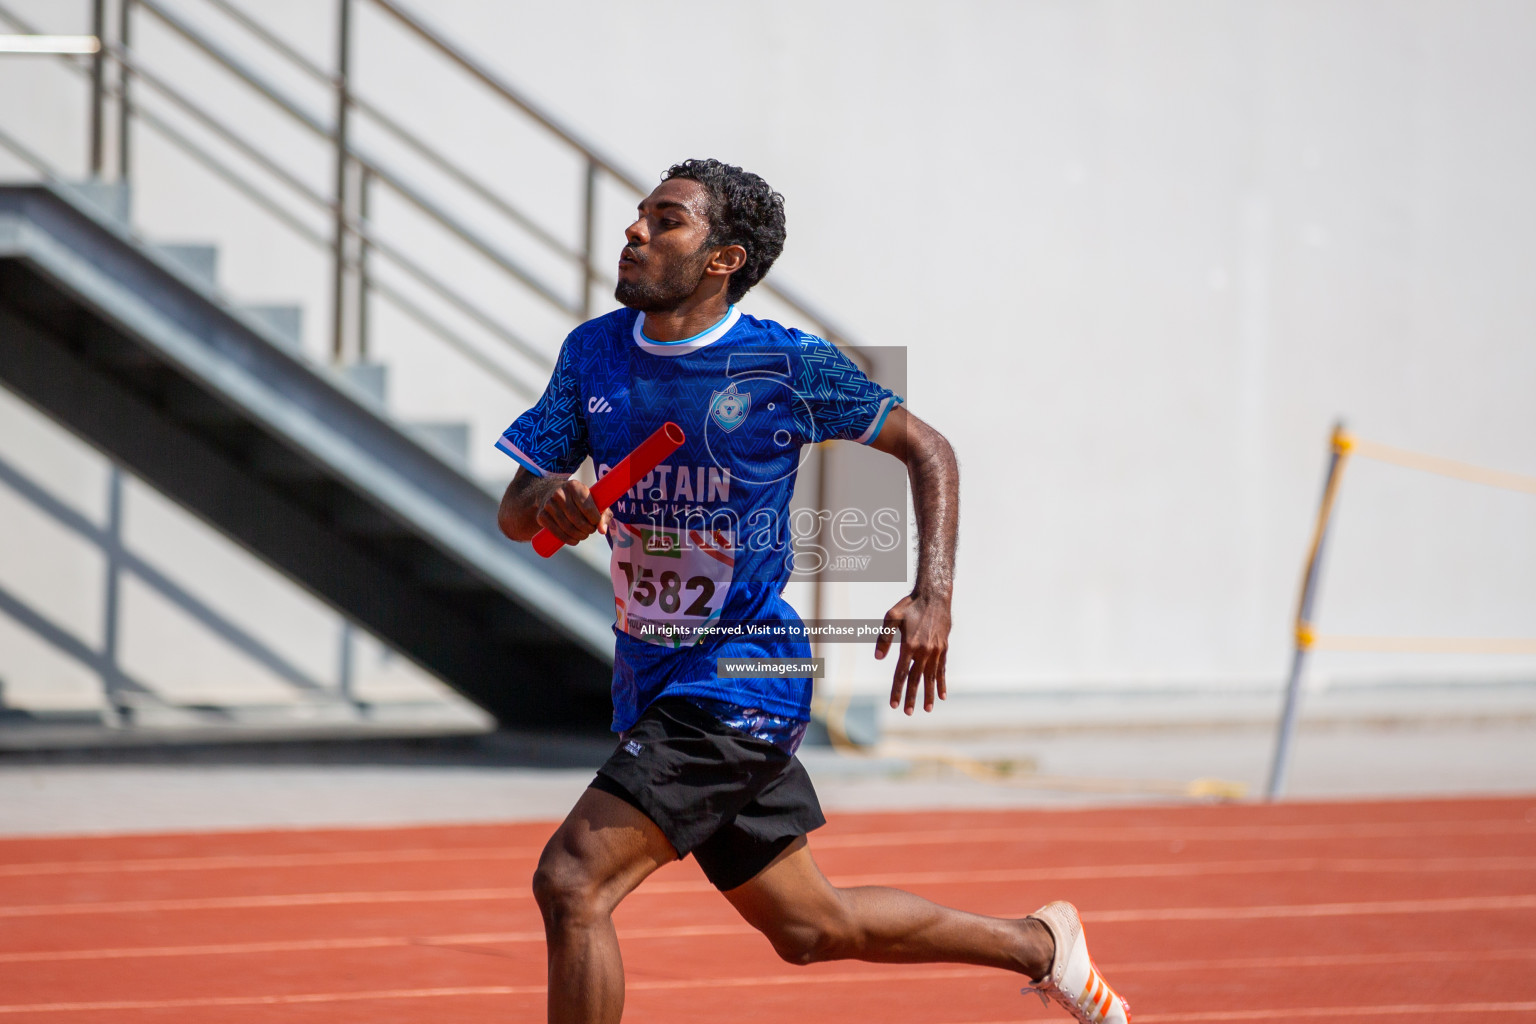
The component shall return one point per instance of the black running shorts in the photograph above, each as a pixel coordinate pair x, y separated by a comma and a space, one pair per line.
732, 801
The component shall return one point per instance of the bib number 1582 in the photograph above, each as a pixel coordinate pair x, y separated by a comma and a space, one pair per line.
673, 578
665, 591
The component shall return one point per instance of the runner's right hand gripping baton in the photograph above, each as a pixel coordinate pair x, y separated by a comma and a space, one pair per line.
633, 468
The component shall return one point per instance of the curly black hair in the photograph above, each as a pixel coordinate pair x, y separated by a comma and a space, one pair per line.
744, 211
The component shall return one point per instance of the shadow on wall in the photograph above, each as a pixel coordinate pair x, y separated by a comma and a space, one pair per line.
121, 691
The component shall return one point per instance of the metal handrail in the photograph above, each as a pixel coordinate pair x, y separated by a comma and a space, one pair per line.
594, 158
240, 183
489, 78
480, 190
395, 297
444, 291
348, 224
329, 134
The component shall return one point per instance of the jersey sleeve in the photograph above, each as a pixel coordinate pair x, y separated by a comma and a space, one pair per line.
552, 436
838, 402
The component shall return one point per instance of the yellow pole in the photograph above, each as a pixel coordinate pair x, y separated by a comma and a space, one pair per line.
1340, 444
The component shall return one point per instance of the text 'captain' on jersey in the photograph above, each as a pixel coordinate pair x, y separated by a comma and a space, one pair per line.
706, 537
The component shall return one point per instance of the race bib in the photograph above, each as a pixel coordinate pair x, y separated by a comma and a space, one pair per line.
667, 583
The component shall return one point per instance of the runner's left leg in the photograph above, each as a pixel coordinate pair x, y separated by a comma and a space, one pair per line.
807, 919
600, 853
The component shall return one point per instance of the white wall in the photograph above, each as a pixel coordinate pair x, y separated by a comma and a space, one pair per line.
1141, 255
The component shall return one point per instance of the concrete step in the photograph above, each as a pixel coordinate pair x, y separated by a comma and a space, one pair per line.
114, 198
199, 259
448, 438
286, 322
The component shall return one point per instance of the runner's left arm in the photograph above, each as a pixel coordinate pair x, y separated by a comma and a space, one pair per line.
922, 617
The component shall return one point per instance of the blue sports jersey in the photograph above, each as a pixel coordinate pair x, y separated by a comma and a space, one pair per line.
706, 537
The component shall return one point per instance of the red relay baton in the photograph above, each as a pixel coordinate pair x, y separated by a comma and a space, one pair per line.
633, 468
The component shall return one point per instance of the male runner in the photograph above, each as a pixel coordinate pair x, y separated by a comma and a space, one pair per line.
706, 765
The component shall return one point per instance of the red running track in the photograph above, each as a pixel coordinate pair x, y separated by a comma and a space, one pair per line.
1360, 912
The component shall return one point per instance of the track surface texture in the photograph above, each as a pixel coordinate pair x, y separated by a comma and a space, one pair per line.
1360, 912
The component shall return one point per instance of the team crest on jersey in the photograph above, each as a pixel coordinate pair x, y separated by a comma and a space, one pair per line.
729, 408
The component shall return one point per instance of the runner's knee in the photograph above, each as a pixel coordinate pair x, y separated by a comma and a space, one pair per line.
810, 943
827, 937
565, 891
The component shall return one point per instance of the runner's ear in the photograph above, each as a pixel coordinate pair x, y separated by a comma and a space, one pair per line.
727, 260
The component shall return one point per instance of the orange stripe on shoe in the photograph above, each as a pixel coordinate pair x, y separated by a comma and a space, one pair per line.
1111, 998
1101, 1005
1090, 991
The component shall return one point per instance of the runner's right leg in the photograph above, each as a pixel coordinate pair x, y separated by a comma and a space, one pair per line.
600, 853
807, 920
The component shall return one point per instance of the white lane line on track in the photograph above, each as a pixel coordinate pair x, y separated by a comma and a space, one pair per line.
1303, 865
1432, 906
1395, 1010
210, 1002
306, 899
757, 982
1166, 833
1401, 1009
361, 942
1308, 865
630, 985
928, 837
1299, 962
705, 931
235, 862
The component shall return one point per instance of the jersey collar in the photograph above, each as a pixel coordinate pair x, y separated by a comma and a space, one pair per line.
686, 345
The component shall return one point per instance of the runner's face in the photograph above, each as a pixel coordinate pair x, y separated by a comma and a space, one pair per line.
665, 249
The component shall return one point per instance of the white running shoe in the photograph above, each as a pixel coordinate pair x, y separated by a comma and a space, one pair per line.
1073, 980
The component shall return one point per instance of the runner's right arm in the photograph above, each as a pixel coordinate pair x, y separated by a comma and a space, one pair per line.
560, 504
549, 442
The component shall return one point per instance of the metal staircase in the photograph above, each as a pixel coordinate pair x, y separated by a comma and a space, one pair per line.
137, 355
281, 438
